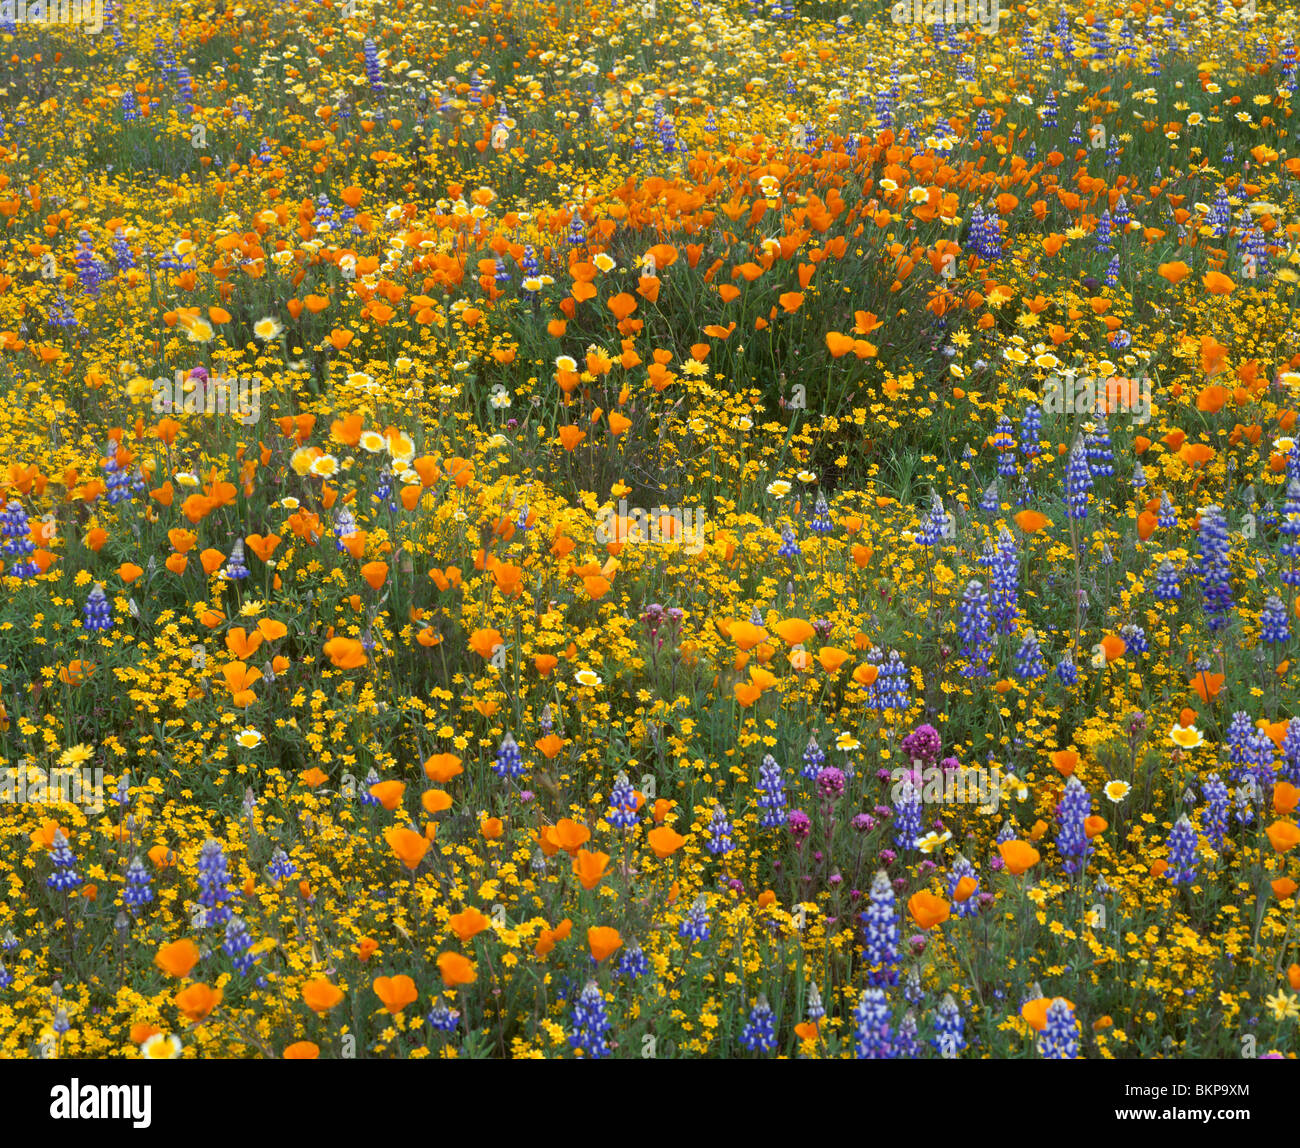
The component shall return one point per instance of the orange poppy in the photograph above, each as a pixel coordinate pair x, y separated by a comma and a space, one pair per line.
409, 846
388, 793
468, 923
602, 941
442, 767
395, 992
927, 910
665, 841
1064, 761
197, 1001
456, 970
177, 958
590, 867
1283, 836
1018, 856
320, 996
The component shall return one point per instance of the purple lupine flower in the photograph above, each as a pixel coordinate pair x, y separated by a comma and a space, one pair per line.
814, 757
1059, 1039
1078, 482
1182, 852
1214, 569
65, 875
973, 628
880, 947
907, 816
906, 1044
1072, 841
695, 925
18, 542
1029, 659
949, 1029
933, 527
1290, 770
771, 799
1167, 588
1003, 564
719, 833
1289, 526
509, 764
1273, 625
874, 1034
1214, 817
372, 65
889, 690
213, 879
622, 803
1166, 516
1031, 426
759, 1034
590, 1023
1101, 458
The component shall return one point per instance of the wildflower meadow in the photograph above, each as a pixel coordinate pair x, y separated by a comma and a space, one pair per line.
650, 529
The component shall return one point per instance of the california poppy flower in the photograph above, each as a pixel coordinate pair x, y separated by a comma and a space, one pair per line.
388, 793
442, 767
435, 800
794, 631
1173, 273
345, 653
1064, 761
1113, 647
455, 969
1283, 836
320, 995
745, 634
302, 1050
468, 924
395, 992
590, 867
1018, 856
927, 910
197, 1001
409, 846
484, 642
665, 841
1207, 685
568, 835
602, 941
1285, 797
178, 958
